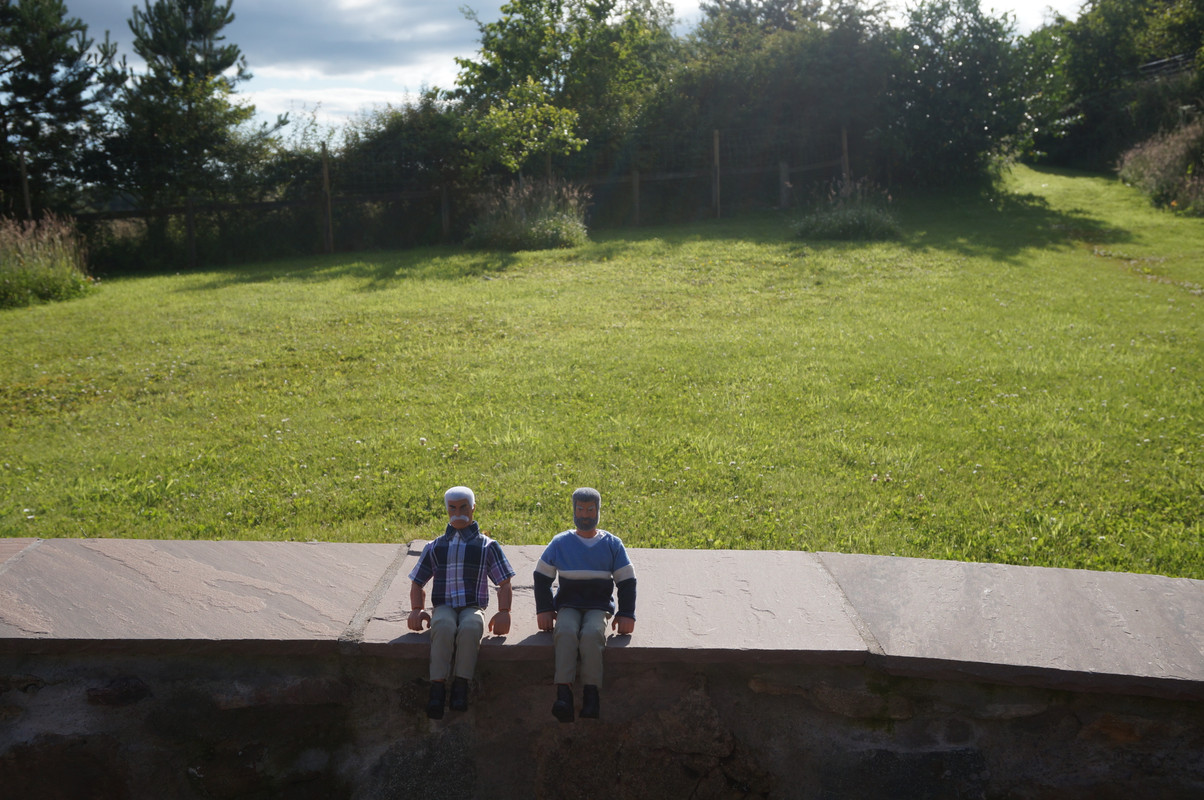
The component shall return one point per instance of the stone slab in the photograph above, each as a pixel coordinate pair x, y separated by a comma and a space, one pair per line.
1071, 628
714, 605
1020, 625
11, 548
66, 594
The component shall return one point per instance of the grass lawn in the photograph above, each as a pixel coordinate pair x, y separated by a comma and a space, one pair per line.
1017, 381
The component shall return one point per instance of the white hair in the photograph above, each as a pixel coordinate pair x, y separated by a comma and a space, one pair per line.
460, 493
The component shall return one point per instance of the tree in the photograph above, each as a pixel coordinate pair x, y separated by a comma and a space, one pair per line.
179, 131
1176, 27
417, 145
779, 79
601, 59
738, 24
1107, 104
954, 92
1045, 89
520, 125
180, 41
52, 84
1102, 46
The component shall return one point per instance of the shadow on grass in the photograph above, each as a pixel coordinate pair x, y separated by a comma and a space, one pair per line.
999, 225
375, 270
975, 223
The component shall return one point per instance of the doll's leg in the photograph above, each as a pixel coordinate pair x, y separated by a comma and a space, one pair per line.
565, 641
443, 641
468, 645
593, 641
468, 641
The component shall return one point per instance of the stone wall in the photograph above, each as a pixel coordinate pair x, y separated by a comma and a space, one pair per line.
285, 670
217, 726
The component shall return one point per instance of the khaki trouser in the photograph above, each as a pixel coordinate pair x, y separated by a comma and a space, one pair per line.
455, 633
580, 631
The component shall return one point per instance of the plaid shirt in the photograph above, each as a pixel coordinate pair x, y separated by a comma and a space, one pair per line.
462, 562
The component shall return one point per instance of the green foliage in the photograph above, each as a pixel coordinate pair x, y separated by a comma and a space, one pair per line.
531, 215
850, 210
179, 41
51, 84
953, 94
417, 145
1175, 27
179, 133
1088, 100
1169, 168
599, 60
1102, 45
519, 125
40, 261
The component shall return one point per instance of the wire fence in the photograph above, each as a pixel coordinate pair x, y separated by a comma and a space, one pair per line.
396, 197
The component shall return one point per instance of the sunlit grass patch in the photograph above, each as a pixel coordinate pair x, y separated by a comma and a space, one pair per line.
986, 388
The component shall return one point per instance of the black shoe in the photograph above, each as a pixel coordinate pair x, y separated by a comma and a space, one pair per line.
459, 695
434, 704
590, 705
562, 709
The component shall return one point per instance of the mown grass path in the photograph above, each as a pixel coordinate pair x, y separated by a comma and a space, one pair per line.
1018, 381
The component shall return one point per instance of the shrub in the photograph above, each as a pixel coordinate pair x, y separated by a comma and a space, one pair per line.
41, 261
531, 215
850, 211
1169, 168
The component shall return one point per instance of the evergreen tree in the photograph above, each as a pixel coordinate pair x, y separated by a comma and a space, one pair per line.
52, 83
179, 131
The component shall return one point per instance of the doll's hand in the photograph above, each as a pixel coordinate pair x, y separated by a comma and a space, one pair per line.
417, 617
624, 625
500, 624
546, 620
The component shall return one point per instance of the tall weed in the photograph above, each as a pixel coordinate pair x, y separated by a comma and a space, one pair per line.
1169, 168
531, 215
849, 210
41, 261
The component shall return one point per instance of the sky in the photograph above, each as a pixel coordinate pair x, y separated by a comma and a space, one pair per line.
335, 59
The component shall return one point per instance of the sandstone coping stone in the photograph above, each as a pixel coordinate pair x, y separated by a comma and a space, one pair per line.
1071, 629
65, 595
702, 605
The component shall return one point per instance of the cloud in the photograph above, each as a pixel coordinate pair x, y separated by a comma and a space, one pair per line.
350, 55
335, 37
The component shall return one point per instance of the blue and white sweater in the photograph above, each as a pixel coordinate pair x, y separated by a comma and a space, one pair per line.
589, 571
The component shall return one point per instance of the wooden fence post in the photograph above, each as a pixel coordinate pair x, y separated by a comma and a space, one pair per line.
844, 153
635, 197
190, 230
715, 198
445, 211
327, 221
